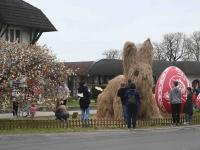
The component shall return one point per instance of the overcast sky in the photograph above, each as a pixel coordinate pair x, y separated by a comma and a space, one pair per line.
88, 27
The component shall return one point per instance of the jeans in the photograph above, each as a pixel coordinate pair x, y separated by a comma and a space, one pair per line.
85, 113
125, 114
176, 113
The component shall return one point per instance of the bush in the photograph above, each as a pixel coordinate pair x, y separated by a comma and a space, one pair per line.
75, 115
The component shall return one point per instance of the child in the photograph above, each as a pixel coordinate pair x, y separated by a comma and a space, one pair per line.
33, 110
188, 109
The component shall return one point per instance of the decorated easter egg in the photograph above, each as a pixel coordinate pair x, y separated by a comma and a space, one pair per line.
198, 101
165, 84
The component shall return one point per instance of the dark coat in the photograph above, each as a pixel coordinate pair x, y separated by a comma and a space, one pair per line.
121, 93
136, 94
84, 101
188, 109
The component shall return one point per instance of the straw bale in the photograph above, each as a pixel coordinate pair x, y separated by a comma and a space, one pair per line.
108, 103
140, 73
129, 56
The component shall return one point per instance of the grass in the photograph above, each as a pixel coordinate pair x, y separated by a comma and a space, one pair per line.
66, 130
75, 103
74, 129
52, 130
71, 104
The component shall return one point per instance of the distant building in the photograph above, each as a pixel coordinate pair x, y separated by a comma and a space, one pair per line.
78, 71
100, 72
109, 68
21, 22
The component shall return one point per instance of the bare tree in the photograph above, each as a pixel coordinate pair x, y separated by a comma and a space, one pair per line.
159, 53
112, 54
172, 48
194, 45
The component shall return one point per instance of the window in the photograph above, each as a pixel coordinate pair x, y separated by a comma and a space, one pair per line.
7, 35
17, 37
13, 35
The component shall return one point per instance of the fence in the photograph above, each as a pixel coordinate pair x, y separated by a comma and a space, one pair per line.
92, 123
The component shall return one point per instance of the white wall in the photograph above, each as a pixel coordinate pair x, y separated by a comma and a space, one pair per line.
24, 33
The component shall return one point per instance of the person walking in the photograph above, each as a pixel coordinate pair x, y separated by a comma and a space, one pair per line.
175, 100
132, 105
84, 102
121, 94
188, 109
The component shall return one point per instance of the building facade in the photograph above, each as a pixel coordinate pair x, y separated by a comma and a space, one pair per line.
21, 22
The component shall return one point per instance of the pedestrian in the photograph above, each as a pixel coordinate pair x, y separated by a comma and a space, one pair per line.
61, 112
132, 105
15, 95
84, 102
26, 104
188, 109
121, 93
33, 110
195, 85
66, 94
198, 87
175, 100
15, 108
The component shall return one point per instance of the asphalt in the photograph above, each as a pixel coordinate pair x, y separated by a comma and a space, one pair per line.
181, 138
41, 114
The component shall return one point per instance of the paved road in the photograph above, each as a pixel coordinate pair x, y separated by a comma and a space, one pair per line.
183, 138
40, 113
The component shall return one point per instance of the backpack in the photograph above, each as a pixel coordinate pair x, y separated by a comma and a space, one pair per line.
131, 98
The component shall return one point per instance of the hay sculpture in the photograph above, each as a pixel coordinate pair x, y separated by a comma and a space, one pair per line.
108, 103
137, 67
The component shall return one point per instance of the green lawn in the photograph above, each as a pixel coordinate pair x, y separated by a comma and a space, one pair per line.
75, 103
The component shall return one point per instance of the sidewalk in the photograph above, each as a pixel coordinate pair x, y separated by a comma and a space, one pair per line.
41, 114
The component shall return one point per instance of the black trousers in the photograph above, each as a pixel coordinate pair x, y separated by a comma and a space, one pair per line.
132, 111
176, 108
15, 109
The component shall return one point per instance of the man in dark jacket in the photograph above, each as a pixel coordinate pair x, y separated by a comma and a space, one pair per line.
188, 109
121, 94
132, 105
84, 101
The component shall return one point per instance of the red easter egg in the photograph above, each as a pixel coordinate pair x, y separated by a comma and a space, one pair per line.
198, 101
165, 84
